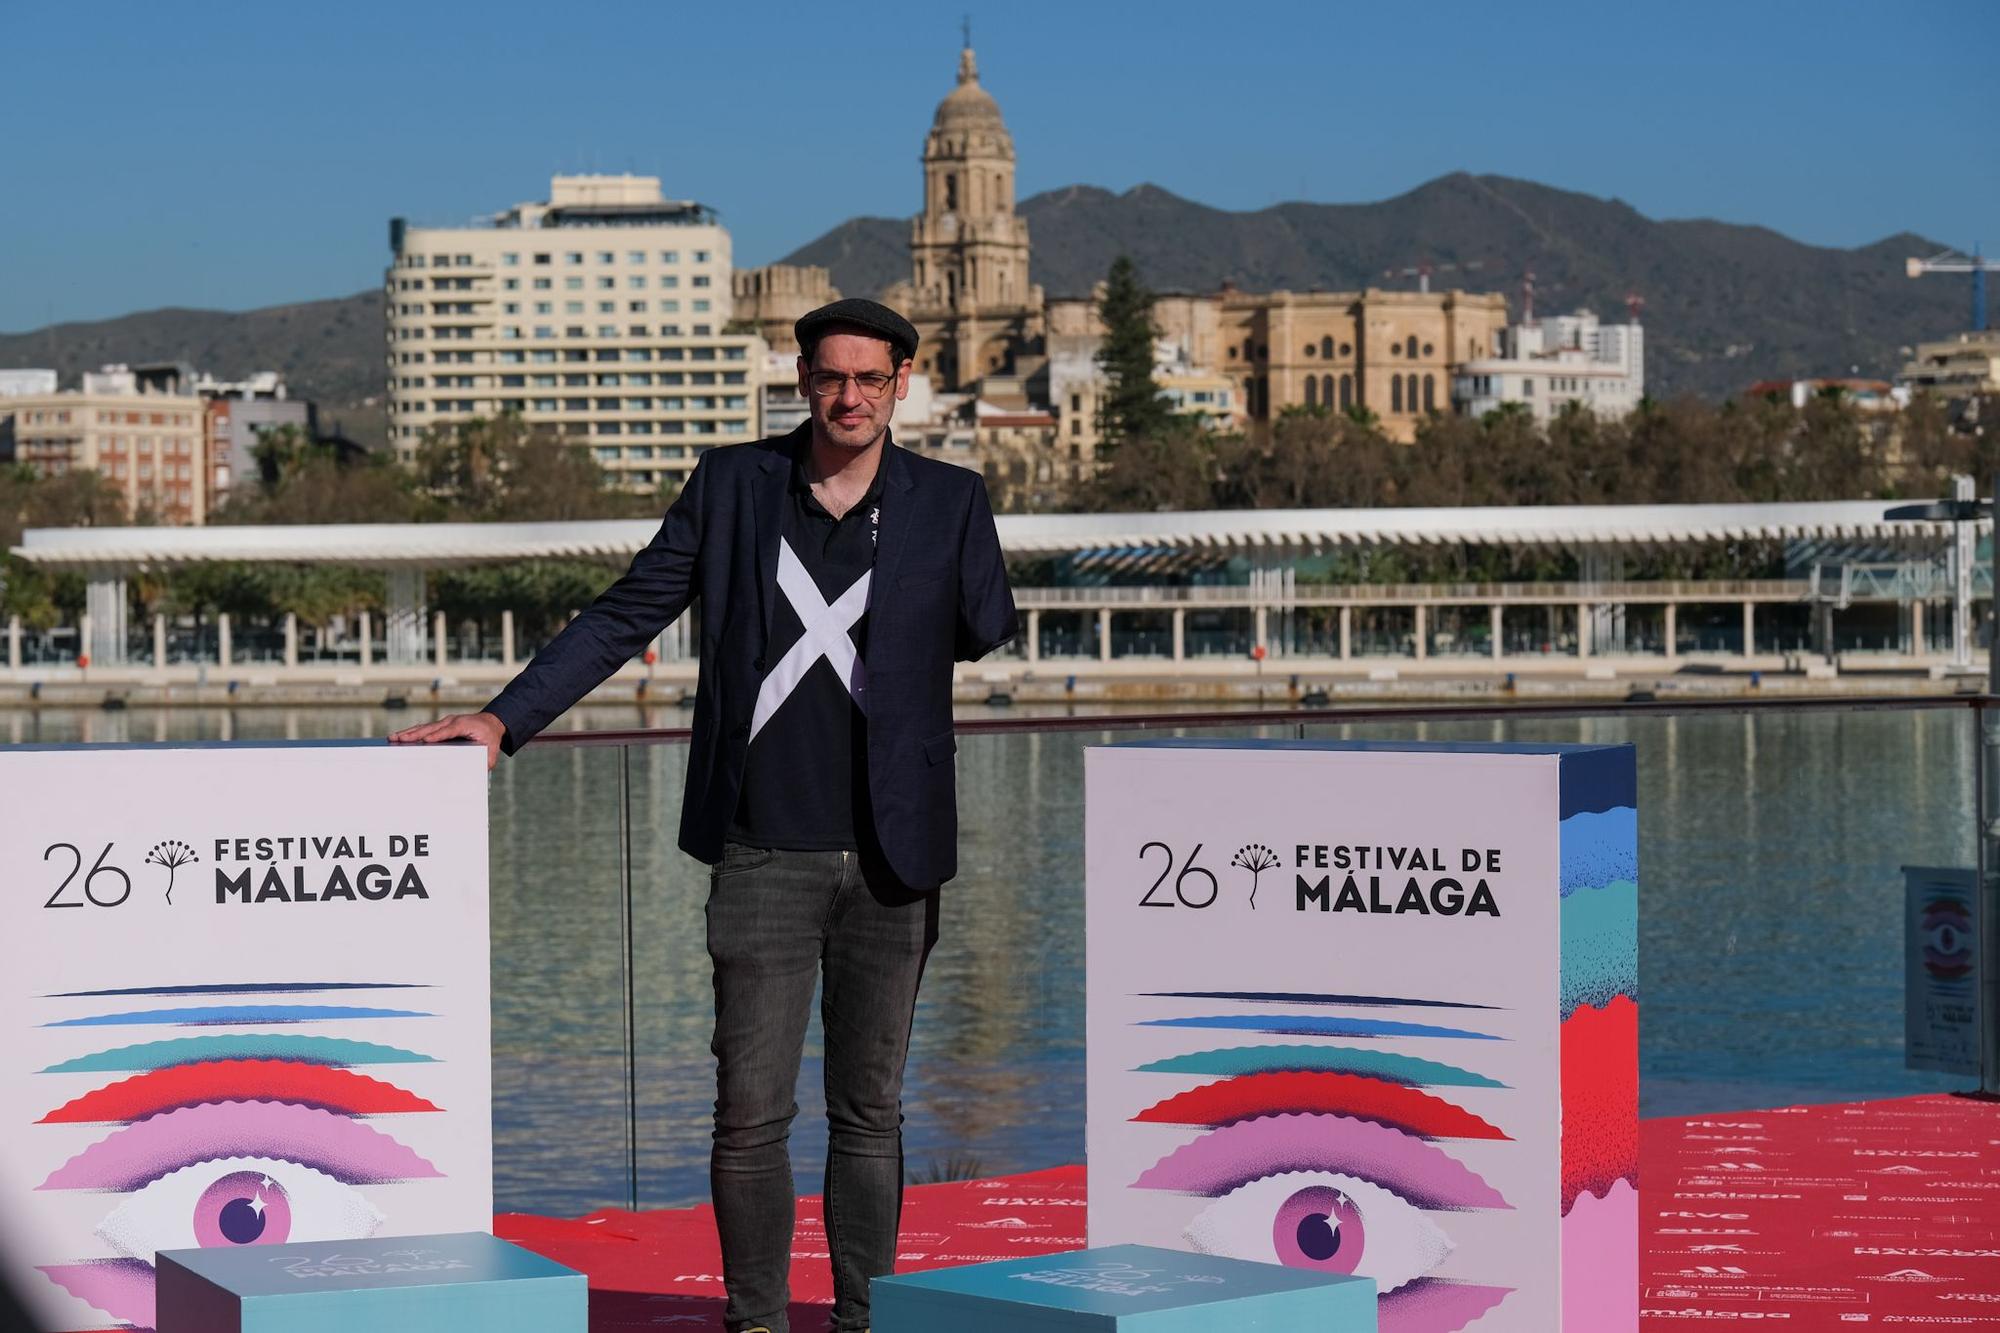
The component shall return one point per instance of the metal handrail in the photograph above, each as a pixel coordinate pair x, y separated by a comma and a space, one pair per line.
1241, 717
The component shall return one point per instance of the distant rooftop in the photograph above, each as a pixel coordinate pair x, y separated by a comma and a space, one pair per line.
607, 201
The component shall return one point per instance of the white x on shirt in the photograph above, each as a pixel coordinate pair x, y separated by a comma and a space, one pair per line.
826, 635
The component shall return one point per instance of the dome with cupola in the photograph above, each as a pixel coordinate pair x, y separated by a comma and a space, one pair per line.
967, 106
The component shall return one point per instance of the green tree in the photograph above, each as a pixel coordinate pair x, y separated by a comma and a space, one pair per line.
302, 480
1170, 468
1132, 407
503, 469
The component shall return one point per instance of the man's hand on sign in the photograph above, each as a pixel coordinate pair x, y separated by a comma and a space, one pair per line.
482, 727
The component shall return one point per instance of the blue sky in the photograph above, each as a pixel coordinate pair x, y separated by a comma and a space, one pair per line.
232, 155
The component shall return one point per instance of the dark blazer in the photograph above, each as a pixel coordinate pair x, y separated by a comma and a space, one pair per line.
939, 594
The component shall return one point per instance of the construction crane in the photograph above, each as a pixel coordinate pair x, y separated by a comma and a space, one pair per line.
1422, 272
1951, 261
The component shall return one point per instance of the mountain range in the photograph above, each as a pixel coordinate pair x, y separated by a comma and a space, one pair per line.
1725, 304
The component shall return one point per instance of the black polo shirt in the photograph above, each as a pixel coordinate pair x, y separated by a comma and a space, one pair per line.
805, 782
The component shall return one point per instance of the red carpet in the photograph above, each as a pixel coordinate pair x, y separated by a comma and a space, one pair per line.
1867, 1215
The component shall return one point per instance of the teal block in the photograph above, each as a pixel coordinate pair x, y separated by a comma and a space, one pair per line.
1122, 1289
468, 1282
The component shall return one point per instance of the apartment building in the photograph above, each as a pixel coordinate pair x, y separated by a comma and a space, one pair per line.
143, 430
599, 314
1554, 363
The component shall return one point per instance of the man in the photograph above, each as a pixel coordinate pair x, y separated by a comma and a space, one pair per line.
839, 577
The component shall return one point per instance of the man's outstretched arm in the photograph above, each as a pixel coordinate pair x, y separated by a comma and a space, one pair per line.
650, 595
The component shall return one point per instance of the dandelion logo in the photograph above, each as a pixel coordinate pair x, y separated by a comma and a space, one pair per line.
1255, 858
172, 854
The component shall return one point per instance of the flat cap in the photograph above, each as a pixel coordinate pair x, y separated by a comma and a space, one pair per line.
871, 317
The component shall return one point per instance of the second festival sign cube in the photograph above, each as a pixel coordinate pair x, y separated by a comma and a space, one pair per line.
1371, 1008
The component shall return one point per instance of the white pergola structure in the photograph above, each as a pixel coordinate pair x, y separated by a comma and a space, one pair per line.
1126, 544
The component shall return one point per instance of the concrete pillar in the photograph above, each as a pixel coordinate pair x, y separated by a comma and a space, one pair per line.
507, 638
365, 628
104, 599
83, 635
1261, 635
1495, 618
291, 638
13, 643
439, 647
1034, 636
1916, 627
1583, 629
224, 649
1346, 632
1421, 629
403, 630
159, 640
1180, 634
1104, 634
1673, 629
1749, 628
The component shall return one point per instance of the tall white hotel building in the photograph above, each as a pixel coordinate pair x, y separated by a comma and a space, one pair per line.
599, 314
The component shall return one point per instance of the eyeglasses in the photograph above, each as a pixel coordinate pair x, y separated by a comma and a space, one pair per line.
827, 383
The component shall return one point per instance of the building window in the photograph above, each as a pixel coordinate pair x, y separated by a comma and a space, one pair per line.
1312, 389
1413, 347
1430, 393
670, 256
1311, 350
1347, 349
572, 284
1326, 347
1325, 391
701, 256
1429, 350
1395, 393
510, 258
573, 257
699, 280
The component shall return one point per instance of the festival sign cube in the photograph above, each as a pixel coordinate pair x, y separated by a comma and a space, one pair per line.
1371, 1008
246, 1000
1121, 1289
461, 1283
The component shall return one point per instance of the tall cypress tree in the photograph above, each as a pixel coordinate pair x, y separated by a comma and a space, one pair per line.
1132, 407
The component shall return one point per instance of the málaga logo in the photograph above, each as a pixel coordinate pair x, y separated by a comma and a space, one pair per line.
171, 855
1256, 858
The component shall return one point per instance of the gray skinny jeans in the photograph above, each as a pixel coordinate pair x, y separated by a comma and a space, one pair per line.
777, 922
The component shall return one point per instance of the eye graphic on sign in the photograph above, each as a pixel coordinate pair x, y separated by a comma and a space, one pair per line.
1325, 1221
1947, 935
1298, 1221
237, 1201
194, 1176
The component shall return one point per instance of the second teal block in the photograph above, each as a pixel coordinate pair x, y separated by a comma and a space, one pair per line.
1123, 1289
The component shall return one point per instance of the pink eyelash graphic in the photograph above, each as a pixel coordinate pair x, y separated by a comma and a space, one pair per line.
1223, 1159
345, 1149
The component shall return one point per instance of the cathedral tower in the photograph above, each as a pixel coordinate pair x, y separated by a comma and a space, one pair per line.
970, 296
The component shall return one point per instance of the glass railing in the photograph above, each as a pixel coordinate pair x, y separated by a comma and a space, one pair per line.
1772, 833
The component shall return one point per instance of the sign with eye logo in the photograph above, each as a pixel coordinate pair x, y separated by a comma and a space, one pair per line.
1371, 1008
246, 1002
